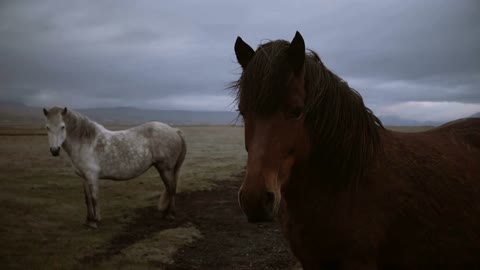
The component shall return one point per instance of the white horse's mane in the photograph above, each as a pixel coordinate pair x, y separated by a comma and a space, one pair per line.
79, 127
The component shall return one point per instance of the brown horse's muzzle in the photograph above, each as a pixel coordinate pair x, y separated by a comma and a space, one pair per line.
258, 206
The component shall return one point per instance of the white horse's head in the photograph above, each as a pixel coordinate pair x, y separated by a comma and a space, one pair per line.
55, 126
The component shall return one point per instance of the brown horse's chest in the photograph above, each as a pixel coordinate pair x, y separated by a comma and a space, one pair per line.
400, 222
325, 229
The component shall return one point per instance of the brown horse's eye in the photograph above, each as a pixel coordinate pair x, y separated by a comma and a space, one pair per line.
295, 113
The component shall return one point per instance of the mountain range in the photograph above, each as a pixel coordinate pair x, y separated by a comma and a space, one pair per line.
19, 114
477, 115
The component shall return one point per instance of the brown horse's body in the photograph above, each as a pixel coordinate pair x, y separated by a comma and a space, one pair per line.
419, 208
349, 193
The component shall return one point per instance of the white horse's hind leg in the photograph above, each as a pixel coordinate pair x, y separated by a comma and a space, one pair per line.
90, 187
166, 203
169, 175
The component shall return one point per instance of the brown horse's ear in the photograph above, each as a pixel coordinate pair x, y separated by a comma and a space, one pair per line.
64, 111
244, 52
296, 52
45, 112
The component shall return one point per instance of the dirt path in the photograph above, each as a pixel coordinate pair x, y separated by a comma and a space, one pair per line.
228, 242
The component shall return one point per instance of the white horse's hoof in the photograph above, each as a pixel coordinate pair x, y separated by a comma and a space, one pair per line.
91, 224
167, 215
170, 216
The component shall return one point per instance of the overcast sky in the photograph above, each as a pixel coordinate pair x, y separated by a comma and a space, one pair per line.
410, 58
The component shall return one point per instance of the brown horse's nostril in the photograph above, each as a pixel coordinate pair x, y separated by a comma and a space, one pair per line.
269, 202
258, 207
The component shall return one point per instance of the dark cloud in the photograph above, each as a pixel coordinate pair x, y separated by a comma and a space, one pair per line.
179, 54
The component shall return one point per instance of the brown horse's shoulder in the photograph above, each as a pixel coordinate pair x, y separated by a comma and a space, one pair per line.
455, 135
462, 122
459, 126
462, 132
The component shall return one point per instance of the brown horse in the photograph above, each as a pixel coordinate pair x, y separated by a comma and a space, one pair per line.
349, 193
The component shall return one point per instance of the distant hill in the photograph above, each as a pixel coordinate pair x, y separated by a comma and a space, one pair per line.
14, 113
130, 116
17, 114
393, 120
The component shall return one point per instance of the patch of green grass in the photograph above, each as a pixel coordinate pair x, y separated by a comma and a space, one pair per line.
157, 250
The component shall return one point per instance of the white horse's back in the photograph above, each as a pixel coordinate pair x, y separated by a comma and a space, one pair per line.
125, 154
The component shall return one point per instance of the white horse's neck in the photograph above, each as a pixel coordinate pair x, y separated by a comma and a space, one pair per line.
80, 131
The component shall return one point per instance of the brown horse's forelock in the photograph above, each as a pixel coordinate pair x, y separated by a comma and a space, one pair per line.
261, 87
344, 132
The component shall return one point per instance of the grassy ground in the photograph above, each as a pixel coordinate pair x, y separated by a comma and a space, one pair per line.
42, 206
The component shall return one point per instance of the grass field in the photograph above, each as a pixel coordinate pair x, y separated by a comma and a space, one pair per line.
42, 206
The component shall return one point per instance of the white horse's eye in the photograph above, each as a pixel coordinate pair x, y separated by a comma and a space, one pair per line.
63, 127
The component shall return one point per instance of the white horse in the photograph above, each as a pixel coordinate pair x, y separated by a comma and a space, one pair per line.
98, 153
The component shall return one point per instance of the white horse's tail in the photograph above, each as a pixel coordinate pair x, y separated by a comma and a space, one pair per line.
181, 157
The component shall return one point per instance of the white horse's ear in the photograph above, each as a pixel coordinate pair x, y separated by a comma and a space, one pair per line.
64, 111
45, 112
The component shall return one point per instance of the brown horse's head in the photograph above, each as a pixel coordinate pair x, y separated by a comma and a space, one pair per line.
272, 101
296, 111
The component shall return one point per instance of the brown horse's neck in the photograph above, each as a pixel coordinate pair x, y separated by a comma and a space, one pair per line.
344, 132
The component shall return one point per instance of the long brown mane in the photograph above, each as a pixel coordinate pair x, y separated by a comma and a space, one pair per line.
344, 132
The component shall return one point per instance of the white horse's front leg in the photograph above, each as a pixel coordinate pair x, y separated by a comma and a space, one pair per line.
96, 203
90, 186
88, 202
